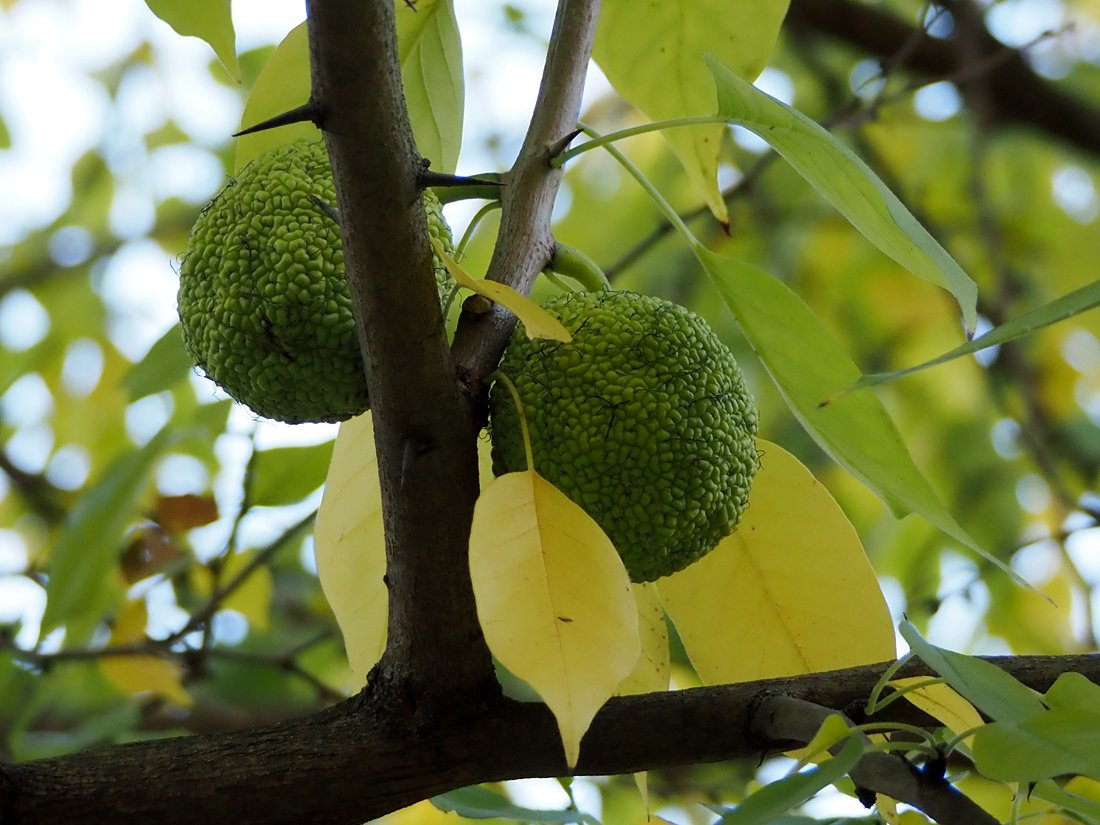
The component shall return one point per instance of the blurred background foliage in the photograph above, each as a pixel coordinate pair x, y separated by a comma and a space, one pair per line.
172, 528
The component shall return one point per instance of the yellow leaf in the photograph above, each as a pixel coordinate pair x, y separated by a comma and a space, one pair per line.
351, 547
941, 702
651, 671
641, 780
888, 809
1084, 786
537, 322
553, 598
141, 674
252, 599
129, 625
652, 56
790, 591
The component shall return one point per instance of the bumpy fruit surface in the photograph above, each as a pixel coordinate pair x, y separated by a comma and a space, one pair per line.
643, 420
263, 303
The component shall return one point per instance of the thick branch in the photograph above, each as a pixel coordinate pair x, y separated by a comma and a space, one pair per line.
1015, 92
424, 432
525, 245
356, 762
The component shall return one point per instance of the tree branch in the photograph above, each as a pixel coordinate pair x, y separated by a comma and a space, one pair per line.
1016, 94
424, 431
362, 759
785, 717
524, 243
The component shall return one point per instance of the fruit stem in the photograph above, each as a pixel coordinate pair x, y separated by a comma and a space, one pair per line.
636, 173
465, 239
574, 264
558, 282
611, 137
499, 375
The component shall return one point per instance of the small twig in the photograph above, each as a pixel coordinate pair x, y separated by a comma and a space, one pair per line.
34, 489
729, 195
213, 604
44, 661
286, 662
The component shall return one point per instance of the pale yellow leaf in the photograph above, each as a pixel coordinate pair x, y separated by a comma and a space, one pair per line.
941, 702
641, 780
652, 53
651, 672
537, 322
888, 809
129, 625
350, 546
141, 674
146, 674
252, 598
790, 591
553, 598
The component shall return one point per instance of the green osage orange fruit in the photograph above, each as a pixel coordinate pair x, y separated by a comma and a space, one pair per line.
263, 301
643, 420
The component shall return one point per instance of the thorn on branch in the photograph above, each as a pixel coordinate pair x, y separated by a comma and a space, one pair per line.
426, 178
560, 146
310, 111
330, 211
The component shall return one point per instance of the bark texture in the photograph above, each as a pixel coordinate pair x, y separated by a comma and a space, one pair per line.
431, 718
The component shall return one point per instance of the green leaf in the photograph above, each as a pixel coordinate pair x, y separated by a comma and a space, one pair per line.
846, 182
430, 51
286, 475
1076, 302
209, 20
651, 54
81, 587
164, 365
777, 798
808, 365
1073, 690
283, 85
1053, 743
986, 686
476, 802
1052, 792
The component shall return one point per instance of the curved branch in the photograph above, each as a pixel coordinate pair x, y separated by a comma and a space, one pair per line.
367, 757
1016, 94
524, 243
784, 717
